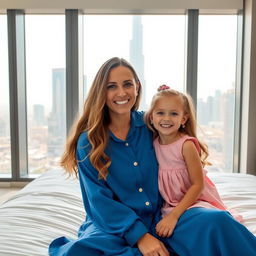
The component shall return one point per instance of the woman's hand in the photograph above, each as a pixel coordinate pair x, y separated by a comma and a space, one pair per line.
165, 227
151, 246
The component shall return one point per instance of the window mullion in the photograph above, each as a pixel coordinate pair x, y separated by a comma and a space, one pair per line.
17, 80
74, 64
192, 53
238, 94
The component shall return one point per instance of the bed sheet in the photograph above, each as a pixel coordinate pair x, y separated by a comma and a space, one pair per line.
51, 206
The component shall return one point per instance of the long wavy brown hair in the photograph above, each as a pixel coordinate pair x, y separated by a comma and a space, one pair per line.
95, 121
191, 124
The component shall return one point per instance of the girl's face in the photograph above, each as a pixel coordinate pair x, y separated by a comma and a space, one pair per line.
122, 91
167, 117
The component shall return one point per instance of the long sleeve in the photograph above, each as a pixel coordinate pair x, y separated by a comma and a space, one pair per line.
104, 209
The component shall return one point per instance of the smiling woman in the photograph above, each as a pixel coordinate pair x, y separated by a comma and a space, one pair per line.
111, 148
122, 92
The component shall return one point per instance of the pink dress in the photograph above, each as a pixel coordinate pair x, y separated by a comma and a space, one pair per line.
173, 178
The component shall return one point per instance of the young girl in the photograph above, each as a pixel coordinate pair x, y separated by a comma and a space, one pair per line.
182, 180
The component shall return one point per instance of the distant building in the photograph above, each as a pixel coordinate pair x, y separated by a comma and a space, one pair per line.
201, 112
216, 114
57, 117
228, 127
38, 115
136, 55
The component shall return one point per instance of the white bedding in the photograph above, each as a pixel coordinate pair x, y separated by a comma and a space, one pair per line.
51, 206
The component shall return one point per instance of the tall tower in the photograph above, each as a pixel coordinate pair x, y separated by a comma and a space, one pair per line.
38, 113
136, 55
228, 127
57, 118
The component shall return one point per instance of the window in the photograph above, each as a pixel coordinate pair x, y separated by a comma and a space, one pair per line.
216, 86
5, 144
153, 44
46, 107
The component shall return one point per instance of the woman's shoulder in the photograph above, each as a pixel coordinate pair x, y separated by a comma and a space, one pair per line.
82, 139
138, 114
138, 118
83, 143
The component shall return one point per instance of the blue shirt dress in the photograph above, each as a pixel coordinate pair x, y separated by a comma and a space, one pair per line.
124, 204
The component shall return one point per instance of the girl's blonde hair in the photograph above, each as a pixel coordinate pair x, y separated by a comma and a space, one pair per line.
189, 110
95, 120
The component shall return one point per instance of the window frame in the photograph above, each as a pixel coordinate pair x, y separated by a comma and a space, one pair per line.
74, 79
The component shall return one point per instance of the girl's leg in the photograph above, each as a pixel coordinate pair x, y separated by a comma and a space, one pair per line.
93, 242
211, 232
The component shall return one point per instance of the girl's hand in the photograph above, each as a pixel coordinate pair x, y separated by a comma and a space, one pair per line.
151, 246
165, 227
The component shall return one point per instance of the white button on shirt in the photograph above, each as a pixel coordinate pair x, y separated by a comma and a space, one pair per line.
147, 203
135, 163
126, 144
140, 189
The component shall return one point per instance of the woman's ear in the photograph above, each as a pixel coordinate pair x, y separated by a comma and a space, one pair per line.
137, 88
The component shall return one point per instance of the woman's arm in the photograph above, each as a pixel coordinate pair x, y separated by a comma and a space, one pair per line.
105, 210
191, 156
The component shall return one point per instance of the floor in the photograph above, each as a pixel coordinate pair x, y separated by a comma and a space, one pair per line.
6, 193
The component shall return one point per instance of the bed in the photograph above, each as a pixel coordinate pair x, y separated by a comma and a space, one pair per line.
51, 206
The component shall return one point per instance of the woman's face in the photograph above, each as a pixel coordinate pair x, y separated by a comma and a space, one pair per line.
122, 91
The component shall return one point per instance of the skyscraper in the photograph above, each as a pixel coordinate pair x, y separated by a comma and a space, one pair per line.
57, 117
136, 55
228, 127
38, 115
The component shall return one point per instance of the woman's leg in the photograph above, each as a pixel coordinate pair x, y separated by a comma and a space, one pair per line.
92, 242
211, 232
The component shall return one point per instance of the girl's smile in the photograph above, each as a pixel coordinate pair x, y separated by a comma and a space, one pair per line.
167, 117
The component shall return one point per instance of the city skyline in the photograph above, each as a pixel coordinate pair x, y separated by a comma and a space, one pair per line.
46, 140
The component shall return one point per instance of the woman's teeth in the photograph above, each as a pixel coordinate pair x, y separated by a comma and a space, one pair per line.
121, 102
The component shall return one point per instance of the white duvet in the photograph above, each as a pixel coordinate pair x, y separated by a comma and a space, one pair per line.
51, 206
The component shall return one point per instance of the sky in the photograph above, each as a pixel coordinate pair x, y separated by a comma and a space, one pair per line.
108, 36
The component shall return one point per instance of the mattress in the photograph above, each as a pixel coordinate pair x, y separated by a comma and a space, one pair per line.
51, 206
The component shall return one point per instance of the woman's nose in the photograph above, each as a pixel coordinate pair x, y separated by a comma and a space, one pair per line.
121, 91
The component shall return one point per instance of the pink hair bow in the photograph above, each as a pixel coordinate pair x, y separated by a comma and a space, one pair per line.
163, 87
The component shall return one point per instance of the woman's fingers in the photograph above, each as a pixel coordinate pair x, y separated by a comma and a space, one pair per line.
164, 250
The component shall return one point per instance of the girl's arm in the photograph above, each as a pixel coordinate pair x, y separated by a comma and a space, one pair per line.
191, 156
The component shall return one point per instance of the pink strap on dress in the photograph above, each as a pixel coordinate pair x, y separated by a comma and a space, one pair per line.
195, 140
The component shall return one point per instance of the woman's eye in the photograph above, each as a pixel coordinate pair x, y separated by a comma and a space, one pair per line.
111, 86
128, 84
159, 113
174, 114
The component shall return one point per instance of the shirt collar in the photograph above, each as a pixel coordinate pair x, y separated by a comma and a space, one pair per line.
137, 120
